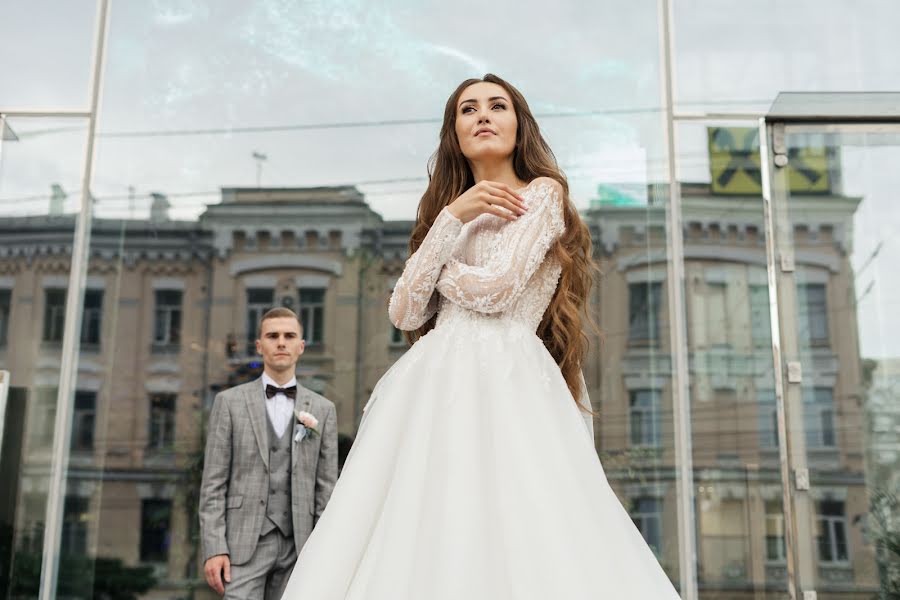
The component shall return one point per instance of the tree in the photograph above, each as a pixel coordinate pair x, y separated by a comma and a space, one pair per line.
82, 577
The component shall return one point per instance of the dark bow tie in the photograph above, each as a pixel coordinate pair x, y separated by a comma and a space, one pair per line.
290, 392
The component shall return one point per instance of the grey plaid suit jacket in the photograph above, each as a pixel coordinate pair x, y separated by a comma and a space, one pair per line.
235, 472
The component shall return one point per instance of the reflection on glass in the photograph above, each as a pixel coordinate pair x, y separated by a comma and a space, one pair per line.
740, 525
722, 68
273, 171
40, 174
46, 50
635, 429
840, 325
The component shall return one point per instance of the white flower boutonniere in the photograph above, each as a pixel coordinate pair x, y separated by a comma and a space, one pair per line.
306, 425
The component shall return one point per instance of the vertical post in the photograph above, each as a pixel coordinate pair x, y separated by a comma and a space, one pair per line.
681, 400
775, 327
4, 394
56, 491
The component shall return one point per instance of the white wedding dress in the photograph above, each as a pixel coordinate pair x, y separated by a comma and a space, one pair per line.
472, 476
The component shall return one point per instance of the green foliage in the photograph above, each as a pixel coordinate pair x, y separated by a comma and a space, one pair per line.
82, 577
885, 532
189, 489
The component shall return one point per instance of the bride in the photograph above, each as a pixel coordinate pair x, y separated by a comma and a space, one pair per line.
472, 476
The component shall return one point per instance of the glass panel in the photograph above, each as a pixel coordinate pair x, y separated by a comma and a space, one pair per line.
839, 322
724, 65
281, 165
46, 48
740, 525
633, 368
40, 181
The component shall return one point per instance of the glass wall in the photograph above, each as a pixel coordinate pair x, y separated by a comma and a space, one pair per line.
251, 155
737, 492
735, 56
834, 203
41, 166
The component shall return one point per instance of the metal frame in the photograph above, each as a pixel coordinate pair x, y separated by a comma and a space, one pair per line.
790, 533
71, 333
797, 504
681, 394
44, 113
4, 395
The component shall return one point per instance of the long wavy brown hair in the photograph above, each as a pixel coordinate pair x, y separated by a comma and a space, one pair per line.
449, 175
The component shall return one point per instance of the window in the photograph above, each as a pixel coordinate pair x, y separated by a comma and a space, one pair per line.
832, 533
156, 516
91, 316
768, 419
645, 512
760, 327
259, 301
397, 338
5, 296
717, 314
813, 314
312, 314
162, 422
644, 418
44, 420
167, 318
775, 548
54, 314
83, 419
818, 416
74, 527
826, 420
643, 309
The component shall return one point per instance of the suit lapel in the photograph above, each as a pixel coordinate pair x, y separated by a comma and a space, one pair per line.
301, 403
256, 405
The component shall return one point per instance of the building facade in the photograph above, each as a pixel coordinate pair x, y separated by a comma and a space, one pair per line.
170, 317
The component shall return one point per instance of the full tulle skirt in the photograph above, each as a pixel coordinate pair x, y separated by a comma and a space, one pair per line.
473, 478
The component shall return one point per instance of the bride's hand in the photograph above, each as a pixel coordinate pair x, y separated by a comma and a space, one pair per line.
488, 197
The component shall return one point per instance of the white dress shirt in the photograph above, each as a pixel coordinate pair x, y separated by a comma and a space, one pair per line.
279, 406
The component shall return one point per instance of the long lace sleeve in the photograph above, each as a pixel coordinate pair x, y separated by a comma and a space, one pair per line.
413, 301
521, 249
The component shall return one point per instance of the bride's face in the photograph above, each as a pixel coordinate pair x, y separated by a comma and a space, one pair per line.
486, 122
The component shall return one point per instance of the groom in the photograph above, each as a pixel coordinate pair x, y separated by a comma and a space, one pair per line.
271, 463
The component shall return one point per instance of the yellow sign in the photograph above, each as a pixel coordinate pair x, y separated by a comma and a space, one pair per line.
734, 164
808, 170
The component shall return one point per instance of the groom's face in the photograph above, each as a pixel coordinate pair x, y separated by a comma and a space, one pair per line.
280, 343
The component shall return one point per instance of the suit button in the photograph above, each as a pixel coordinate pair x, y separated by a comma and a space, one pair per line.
262, 501
271, 491
284, 513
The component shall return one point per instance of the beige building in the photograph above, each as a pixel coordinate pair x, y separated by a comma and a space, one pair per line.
170, 315
737, 492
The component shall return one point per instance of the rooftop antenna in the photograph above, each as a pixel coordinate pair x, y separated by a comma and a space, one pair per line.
259, 157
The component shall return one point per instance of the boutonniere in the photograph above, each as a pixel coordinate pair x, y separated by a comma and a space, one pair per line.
306, 425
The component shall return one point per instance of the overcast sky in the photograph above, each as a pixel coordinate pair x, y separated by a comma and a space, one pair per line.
320, 85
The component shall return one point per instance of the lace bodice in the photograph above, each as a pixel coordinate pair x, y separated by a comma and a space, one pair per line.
488, 266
